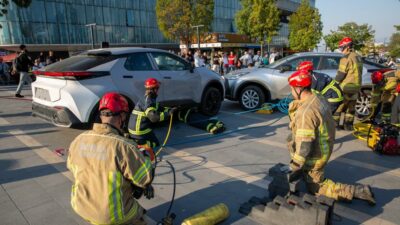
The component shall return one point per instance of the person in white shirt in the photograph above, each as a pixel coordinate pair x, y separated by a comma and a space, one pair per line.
257, 59
198, 61
246, 59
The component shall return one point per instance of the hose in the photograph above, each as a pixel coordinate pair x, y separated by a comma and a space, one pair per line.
167, 136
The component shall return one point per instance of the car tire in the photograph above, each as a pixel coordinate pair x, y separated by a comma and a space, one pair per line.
251, 97
211, 101
363, 104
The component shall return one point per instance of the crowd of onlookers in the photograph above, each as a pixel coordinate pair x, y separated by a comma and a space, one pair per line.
223, 62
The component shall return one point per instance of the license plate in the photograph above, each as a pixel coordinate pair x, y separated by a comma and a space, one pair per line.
43, 94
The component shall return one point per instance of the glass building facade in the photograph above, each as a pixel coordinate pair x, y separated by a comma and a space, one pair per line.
119, 22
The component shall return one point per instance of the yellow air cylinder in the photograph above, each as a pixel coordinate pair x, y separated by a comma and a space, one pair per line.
209, 216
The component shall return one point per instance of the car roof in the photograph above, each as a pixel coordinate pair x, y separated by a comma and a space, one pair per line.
318, 54
125, 50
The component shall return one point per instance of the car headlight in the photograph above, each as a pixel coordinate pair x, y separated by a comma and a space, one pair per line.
236, 75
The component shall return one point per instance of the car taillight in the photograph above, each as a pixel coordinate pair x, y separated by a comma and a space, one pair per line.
71, 74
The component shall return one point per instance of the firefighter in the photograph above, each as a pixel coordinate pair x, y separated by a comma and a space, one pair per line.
384, 91
323, 84
349, 78
147, 112
194, 118
396, 108
311, 142
105, 166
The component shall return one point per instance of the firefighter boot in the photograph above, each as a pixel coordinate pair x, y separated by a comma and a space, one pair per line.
218, 127
364, 192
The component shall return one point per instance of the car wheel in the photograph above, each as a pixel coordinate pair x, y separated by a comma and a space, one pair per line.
251, 97
363, 104
211, 101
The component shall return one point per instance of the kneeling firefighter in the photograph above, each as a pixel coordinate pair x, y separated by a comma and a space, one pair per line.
311, 142
323, 84
396, 108
384, 91
194, 118
147, 112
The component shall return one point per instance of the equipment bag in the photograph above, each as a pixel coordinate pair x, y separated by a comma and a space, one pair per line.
384, 139
198, 120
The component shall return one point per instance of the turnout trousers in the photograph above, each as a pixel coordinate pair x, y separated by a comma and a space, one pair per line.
319, 185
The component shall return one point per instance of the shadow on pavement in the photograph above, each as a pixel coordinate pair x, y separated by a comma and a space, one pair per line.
22, 149
7, 175
368, 165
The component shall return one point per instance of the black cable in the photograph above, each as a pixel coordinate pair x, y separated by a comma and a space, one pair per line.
174, 188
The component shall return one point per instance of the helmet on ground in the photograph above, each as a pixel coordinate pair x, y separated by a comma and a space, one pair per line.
300, 78
151, 83
346, 41
115, 102
376, 77
305, 65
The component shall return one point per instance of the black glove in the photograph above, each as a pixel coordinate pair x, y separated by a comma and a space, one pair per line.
172, 110
149, 191
294, 175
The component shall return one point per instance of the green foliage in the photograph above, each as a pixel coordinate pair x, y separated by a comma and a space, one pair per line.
305, 28
394, 44
258, 19
175, 18
361, 35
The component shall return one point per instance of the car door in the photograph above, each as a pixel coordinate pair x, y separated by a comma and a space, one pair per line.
132, 73
280, 83
178, 81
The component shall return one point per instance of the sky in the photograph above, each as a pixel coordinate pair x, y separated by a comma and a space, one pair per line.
380, 14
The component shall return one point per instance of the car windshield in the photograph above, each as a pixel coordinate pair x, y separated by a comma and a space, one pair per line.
277, 63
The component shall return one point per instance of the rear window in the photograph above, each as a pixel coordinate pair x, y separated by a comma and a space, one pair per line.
79, 63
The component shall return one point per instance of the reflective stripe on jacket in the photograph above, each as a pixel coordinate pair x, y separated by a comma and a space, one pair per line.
105, 165
311, 122
139, 123
351, 66
327, 87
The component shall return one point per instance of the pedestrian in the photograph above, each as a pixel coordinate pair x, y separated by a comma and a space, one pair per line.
245, 59
272, 56
189, 57
349, 78
23, 63
42, 58
4, 72
265, 59
231, 61
50, 58
225, 63
146, 113
384, 92
198, 60
108, 168
311, 142
205, 59
216, 66
323, 84
36, 65
257, 59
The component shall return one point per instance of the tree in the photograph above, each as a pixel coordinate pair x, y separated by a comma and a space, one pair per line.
259, 19
4, 4
305, 28
361, 35
175, 18
394, 44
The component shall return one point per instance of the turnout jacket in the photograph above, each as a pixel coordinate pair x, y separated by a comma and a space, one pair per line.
105, 165
146, 112
313, 132
327, 87
386, 91
349, 74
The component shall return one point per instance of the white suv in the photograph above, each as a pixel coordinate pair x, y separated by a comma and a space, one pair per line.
67, 93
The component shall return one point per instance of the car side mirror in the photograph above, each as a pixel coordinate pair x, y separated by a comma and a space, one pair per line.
285, 68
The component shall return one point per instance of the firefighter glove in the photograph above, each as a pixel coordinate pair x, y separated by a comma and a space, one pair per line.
149, 191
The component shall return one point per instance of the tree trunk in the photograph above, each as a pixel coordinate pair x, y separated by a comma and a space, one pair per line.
262, 48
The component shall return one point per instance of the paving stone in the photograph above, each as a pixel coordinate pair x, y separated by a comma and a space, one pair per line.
13, 218
48, 213
28, 195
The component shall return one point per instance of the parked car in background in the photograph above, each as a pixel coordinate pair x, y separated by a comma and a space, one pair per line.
67, 93
252, 87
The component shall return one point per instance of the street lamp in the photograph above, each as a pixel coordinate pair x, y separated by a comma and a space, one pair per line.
91, 25
198, 34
